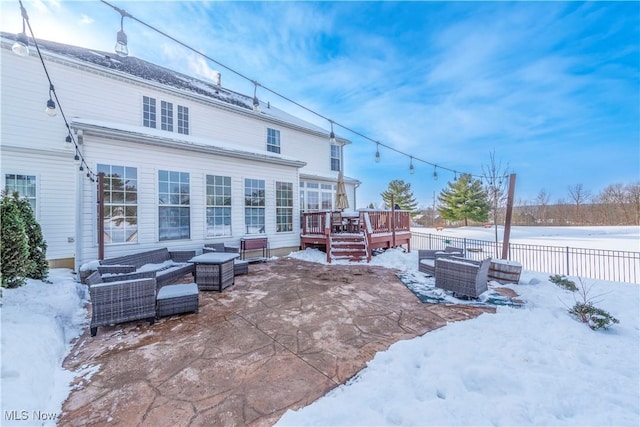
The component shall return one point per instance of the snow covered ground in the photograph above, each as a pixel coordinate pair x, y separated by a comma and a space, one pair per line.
533, 365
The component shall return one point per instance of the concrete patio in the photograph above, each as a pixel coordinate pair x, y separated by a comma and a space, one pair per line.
279, 339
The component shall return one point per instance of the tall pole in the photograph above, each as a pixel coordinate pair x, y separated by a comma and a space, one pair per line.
100, 215
393, 221
507, 220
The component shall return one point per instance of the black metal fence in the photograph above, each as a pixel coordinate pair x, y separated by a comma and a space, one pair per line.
600, 264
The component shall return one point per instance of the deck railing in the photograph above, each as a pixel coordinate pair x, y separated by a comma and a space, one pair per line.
600, 264
380, 221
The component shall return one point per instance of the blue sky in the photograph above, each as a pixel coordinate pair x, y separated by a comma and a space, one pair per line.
553, 88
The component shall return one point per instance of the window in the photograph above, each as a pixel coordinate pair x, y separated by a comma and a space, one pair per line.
183, 120
284, 206
166, 115
24, 185
218, 206
316, 196
335, 157
174, 205
254, 202
120, 214
273, 140
148, 112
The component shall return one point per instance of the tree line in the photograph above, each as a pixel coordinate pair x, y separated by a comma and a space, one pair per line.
469, 201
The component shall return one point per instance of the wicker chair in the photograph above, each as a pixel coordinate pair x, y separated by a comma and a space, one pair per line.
464, 277
240, 266
427, 258
122, 301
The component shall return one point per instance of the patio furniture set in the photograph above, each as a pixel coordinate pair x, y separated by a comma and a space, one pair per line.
142, 286
463, 276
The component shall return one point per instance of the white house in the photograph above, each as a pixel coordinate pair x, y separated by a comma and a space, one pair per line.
186, 161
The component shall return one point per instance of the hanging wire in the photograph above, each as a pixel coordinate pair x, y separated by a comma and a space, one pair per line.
52, 90
286, 98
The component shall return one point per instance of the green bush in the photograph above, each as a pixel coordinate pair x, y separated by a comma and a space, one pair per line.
37, 245
595, 317
14, 245
563, 282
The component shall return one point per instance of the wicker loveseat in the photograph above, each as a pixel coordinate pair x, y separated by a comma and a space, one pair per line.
165, 266
464, 277
427, 258
121, 301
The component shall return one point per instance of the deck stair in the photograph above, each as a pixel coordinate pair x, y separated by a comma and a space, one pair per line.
348, 246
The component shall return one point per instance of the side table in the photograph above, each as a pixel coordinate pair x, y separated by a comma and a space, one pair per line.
214, 270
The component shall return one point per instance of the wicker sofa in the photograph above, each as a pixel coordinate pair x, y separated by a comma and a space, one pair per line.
121, 301
427, 258
165, 266
464, 277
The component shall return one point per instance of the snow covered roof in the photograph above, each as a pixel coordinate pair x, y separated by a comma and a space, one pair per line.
155, 73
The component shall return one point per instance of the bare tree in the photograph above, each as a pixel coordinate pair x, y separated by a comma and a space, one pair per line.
542, 200
580, 196
632, 192
495, 177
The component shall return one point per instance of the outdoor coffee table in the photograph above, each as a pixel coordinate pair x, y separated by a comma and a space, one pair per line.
214, 270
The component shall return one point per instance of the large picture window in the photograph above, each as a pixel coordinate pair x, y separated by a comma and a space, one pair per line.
24, 185
284, 206
173, 205
316, 196
218, 206
120, 214
148, 112
254, 202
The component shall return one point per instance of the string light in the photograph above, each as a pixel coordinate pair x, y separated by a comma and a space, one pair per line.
411, 169
121, 48
435, 172
332, 135
51, 104
256, 102
21, 46
377, 152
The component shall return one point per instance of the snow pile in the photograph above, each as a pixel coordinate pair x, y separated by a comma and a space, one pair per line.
39, 321
530, 366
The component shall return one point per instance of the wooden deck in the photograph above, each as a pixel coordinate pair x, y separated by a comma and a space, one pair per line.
358, 235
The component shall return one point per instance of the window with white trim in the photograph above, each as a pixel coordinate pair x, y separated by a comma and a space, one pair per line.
173, 205
24, 185
183, 120
148, 112
335, 157
218, 206
284, 206
254, 203
166, 115
120, 214
273, 140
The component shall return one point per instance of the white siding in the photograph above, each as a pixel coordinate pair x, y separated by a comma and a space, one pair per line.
33, 143
55, 189
148, 162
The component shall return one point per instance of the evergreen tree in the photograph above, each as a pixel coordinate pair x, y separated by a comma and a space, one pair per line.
14, 245
37, 245
465, 199
402, 195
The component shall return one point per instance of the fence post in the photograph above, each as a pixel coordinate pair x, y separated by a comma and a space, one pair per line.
567, 254
464, 244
